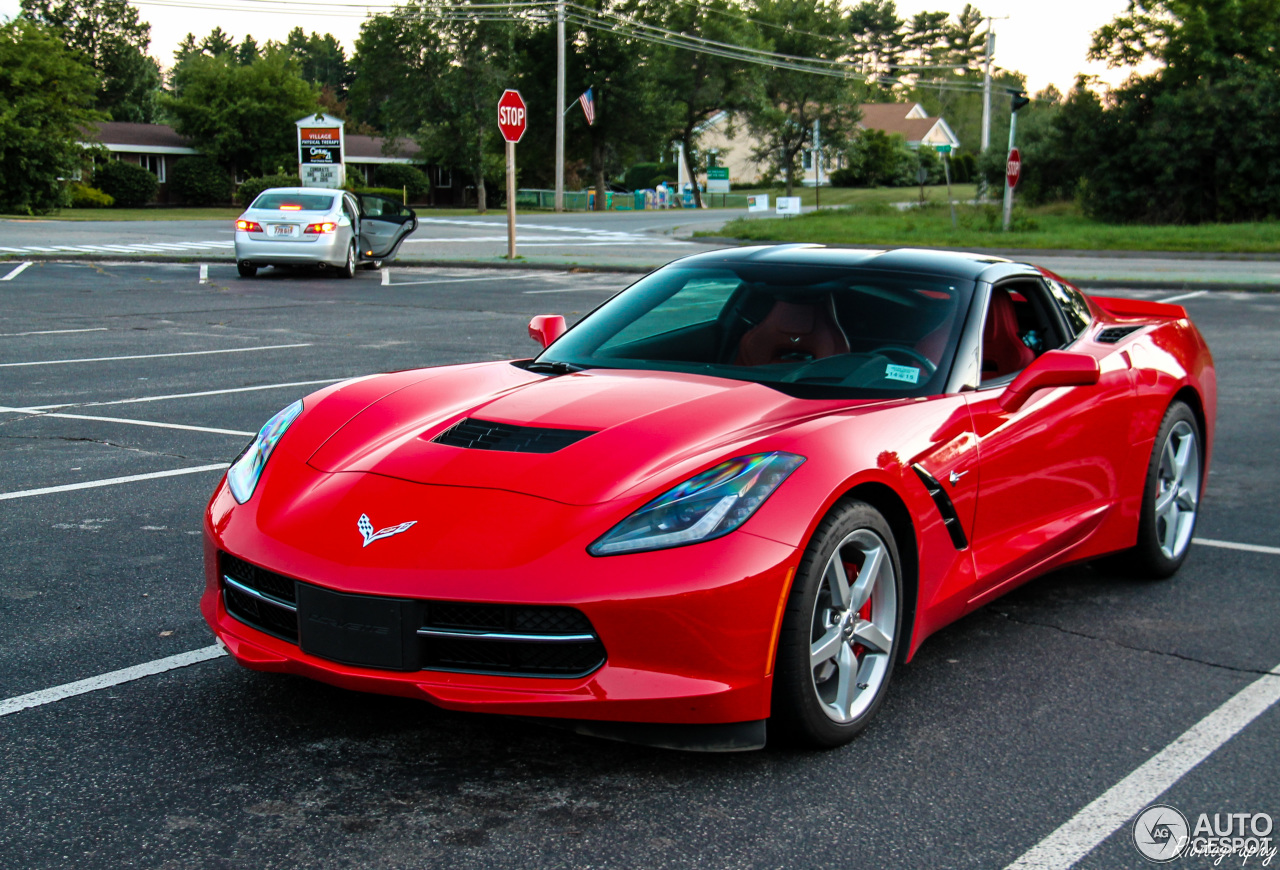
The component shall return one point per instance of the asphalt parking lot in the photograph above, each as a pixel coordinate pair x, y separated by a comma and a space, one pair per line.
126, 387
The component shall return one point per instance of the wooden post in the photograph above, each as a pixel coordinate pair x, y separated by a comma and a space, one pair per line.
511, 200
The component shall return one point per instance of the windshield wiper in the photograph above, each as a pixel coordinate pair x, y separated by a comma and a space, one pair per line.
553, 367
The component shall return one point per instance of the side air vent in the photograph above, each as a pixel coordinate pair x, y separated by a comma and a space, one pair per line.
945, 507
1112, 334
483, 435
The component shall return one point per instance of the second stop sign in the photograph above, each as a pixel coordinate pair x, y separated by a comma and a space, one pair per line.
512, 115
1013, 168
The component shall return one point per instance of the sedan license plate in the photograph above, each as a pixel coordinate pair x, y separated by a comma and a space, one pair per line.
282, 229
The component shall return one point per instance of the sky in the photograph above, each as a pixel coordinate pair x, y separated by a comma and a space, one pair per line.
1038, 38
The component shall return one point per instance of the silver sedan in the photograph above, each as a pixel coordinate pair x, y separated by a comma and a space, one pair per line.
300, 226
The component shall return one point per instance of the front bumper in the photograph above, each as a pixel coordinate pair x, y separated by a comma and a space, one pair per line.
688, 633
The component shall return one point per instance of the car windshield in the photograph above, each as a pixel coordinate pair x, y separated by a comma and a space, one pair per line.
293, 202
807, 330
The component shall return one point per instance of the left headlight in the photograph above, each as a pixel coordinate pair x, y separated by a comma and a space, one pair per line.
706, 506
244, 472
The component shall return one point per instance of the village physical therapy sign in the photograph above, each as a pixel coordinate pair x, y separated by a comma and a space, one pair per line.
320, 142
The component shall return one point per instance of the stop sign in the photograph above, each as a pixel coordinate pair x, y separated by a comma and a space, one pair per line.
1013, 168
512, 115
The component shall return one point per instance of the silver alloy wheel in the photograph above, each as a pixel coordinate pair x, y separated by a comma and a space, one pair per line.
851, 642
1177, 490
351, 258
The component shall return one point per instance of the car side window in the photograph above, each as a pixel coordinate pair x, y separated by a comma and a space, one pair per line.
1073, 305
1020, 326
348, 210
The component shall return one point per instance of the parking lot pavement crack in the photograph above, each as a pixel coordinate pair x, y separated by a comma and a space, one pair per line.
1142, 649
106, 443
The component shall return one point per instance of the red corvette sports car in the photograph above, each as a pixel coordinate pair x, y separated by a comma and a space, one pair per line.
735, 494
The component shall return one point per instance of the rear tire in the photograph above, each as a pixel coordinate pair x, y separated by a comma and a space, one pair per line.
246, 269
1171, 496
348, 269
372, 265
840, 632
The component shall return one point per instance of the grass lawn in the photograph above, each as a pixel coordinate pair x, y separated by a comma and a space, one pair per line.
860, 195
134, 214
1060, 227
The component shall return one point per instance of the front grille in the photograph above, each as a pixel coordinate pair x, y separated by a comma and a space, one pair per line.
468, 637
509, 639
484, 435
512, 658
1113, 334
272, 609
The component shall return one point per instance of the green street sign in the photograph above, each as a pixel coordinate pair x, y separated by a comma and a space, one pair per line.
717, 173
943, 149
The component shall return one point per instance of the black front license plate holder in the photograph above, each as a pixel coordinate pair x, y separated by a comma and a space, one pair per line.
359, 630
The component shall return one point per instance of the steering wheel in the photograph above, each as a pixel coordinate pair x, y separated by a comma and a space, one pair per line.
909, 353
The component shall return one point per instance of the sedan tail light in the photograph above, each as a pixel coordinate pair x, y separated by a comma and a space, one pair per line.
249, 226
320, 229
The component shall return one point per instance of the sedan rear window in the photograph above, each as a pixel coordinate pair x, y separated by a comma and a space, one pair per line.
293, 202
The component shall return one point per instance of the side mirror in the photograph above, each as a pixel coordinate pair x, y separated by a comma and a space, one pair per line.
1053, 368
546, 328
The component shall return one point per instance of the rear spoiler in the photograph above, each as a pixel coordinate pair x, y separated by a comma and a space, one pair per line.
1142, 308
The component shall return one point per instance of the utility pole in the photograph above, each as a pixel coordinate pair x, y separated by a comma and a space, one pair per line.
986, 88
817, 167
560, 106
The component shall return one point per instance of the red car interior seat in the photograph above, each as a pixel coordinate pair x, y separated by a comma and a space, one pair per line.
1003, 351
793, 331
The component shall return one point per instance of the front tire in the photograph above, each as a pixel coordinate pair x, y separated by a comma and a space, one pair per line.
840, 632
246, 269
1171, 496
348, 269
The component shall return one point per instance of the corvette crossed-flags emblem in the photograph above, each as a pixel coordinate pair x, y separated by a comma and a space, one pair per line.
366, 529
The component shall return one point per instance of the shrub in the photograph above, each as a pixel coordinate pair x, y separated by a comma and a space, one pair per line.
199, 181
389, 192
402, 175
249, 190
644, 176
84, 196
128, 183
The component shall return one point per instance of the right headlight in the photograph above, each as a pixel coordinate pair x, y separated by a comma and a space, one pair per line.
244, 472
705, 506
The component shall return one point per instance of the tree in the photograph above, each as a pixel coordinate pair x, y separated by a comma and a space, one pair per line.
321, 59
242, 117
875, 34
699, 85
46, 94
792, 100
1195, 140
438, 76
114, 41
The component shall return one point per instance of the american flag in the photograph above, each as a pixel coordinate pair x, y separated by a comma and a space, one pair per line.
588, 107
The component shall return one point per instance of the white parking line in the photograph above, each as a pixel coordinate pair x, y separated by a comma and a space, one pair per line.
185, 395
125, 420
573, 290
112, 481
1232, 545
1104, 816
204, 273
51, 332
1185, 296
386, 276
56, 362
106, 681
458, 280
22, 267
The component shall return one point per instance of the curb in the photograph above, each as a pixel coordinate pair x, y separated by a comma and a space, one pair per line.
579, 268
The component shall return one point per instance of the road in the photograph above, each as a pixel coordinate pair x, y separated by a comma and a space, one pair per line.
1005, 726
629, 240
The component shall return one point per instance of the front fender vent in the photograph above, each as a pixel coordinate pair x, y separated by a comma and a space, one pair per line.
946, 508
475, 434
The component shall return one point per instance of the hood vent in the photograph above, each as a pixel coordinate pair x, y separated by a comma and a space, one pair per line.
483, 435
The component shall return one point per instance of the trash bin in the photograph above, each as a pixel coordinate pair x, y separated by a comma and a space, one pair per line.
639, 198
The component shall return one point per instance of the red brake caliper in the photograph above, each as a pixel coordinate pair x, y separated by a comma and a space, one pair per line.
864, 612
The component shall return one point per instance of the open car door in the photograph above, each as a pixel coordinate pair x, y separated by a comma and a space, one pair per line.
384, 223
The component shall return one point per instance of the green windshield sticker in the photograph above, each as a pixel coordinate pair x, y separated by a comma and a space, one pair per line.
909, 374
